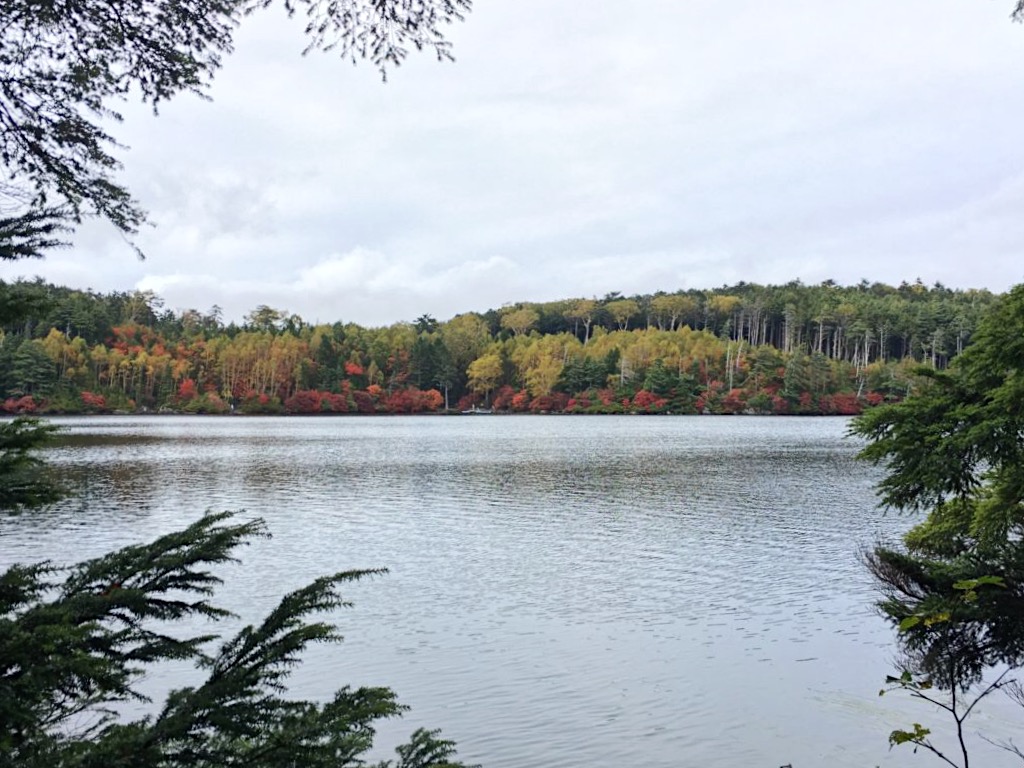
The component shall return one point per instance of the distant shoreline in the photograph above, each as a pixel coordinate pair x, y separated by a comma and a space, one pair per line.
434, 414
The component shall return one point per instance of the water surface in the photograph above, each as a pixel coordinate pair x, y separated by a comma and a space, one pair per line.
562, 591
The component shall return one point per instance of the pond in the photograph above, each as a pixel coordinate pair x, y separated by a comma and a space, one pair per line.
562, 591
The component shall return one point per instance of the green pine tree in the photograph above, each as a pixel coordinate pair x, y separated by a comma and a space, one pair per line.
75, 641
25, 480
955, 589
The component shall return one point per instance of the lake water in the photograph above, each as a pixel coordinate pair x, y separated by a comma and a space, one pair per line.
562, 591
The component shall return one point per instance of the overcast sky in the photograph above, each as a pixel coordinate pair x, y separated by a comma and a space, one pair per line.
577, 148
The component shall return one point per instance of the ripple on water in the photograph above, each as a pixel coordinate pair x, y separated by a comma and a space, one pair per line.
562, 591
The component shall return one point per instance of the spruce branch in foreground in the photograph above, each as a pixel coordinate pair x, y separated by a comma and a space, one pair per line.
75, 641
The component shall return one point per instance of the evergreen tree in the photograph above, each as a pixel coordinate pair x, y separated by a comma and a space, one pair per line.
75, 641
25, 481
445, 375
573, 377
33, 372
797, 376
955, 449
423, 360
594, 373
660, 380
327, 365
22, 302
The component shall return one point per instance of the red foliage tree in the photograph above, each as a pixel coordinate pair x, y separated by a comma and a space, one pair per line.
735, 401
333, 403
304, 401
648, 402
26, 404
502, 398
578, 404
431, 400
400, 401
413, 400
844, 404
806, 402
93, 402
556, 402
364, 402
187, 390
520, 401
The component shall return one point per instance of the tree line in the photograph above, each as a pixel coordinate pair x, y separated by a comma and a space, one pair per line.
792, 348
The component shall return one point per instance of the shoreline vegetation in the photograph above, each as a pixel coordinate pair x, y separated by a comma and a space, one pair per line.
168, 414
745, 349
427, 414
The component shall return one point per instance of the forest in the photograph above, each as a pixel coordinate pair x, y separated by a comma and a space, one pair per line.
745, 348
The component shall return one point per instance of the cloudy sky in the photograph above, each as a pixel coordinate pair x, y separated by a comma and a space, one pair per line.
577, 148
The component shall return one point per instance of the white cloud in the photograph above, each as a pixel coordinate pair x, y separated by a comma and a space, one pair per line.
566, 154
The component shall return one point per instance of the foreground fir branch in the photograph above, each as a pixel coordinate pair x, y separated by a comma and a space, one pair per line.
75, 642
955, 589
26, 482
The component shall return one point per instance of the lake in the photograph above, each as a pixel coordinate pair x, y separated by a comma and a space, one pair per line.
562, 591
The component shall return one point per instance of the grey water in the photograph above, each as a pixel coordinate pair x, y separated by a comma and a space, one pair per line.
561, 591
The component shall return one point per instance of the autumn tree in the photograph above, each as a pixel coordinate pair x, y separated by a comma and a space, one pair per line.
520, 320
539, 362
621, 311
465, 337
485, 373
583, 311
670, 309
717, 311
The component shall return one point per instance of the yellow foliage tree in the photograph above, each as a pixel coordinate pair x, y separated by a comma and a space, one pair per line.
485, 373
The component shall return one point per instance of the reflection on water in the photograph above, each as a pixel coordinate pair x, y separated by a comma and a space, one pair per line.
602, 591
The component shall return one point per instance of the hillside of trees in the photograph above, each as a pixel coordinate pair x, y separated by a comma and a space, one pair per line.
746, 348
